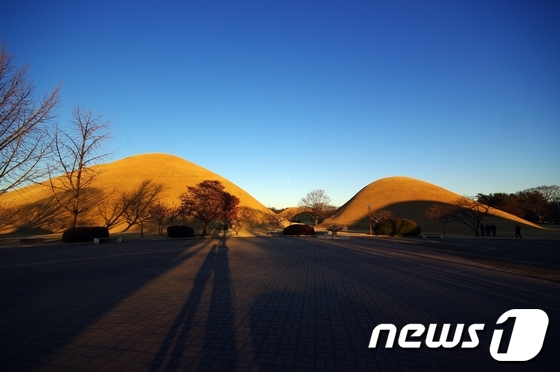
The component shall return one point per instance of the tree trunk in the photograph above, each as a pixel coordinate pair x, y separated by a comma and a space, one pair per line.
75, 218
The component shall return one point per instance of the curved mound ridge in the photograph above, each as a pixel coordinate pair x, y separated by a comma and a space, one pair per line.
405, 197
385, 192
174, 172
126, 175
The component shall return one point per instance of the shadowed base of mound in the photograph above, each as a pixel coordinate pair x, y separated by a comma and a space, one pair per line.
44, 216
52, 221
416, 211
251, 223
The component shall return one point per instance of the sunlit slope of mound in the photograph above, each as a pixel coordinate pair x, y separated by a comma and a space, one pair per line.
172, 171
409, 198
41, 213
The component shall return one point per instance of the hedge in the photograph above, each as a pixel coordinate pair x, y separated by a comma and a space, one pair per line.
397, 227
299, 230
180, 232
84, 234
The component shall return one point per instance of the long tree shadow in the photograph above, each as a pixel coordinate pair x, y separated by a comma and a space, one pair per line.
348, 292
43, 216
51, 295
218, 347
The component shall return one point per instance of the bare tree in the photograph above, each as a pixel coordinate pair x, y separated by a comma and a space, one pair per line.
162, 214
25, 126
470, 212
77, 151
138, 203
443, 213
380, 215
112, 208
274, 220
318, 204
136, 207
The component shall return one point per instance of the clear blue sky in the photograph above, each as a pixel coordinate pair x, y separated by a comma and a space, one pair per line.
329, 95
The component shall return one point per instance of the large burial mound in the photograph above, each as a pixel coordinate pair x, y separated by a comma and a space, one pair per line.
410, 198
41, 214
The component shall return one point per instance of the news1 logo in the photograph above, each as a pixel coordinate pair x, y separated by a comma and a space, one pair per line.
526, 340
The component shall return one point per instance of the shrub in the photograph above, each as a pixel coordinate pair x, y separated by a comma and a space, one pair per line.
299, 230
84, 234
180, 232
397, 227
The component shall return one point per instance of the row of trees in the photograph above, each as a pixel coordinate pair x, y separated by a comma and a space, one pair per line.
538, 204
207, 201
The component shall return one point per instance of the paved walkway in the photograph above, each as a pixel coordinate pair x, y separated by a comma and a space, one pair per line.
259, 304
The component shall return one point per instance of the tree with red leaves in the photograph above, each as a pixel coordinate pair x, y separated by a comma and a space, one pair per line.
208, 201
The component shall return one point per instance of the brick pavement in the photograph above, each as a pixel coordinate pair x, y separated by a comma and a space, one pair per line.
255, 304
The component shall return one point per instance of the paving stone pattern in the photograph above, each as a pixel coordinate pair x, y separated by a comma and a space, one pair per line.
251, 304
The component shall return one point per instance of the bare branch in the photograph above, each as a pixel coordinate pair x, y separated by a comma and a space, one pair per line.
443, 213
318, 204
163, 214
77, 151
470, 212
25, 126
138, 202
380, 215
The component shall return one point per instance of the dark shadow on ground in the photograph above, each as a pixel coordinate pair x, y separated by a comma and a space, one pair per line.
313, 322
530, 257
219, 333
52, 293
